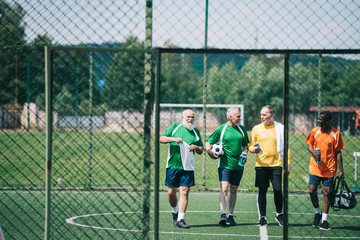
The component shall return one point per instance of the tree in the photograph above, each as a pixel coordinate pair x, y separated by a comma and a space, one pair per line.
12, 55
124, 87
351, 85
303, 87
223, 84
36, 69
180, 83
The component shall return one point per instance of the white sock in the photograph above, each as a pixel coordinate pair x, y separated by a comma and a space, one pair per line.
230, 214
181, 216
175, 209
324, 217
318, 210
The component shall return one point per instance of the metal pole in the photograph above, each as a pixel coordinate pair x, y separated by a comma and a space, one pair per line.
319, 83
286, 144
90, 119
28, 93
48, 109
157, 146
205, 96
77, 95
148, 107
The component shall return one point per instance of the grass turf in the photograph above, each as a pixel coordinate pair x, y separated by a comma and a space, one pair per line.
121, 221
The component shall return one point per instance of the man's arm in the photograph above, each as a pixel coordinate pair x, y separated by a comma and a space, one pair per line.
311, 150
339, 160
165, 139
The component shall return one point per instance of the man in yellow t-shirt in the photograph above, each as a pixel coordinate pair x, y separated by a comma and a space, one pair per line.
323, 167
269, 154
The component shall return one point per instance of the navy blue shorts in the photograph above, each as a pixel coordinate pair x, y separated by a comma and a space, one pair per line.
231, 176
315, 180
178, 177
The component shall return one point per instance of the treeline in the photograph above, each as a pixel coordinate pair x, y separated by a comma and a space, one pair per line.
118, 78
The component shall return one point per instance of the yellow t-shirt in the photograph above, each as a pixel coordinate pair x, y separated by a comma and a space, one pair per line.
266, 137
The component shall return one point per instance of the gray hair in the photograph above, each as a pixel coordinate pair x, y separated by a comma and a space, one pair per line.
271, 109
231, 110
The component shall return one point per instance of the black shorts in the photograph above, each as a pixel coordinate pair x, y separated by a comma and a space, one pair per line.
266, 174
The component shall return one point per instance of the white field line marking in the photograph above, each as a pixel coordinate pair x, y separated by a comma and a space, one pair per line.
263, 229
72, 221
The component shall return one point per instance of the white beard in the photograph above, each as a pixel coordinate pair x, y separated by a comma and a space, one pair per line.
190, 126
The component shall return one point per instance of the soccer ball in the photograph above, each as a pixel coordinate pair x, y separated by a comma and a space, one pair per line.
217, 148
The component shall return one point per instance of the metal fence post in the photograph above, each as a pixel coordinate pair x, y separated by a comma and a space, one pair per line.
48, 109
157, 146
286, 145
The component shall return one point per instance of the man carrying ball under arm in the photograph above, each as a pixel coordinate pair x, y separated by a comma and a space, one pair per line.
234, 140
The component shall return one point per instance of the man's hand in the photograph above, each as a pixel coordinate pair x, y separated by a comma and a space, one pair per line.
212, 154
341, 175
178, 140
257, 150
197, 149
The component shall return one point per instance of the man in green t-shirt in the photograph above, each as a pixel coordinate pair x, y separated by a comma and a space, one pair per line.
234, 140
184, 141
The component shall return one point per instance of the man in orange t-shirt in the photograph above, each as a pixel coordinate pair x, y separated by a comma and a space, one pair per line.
323, 168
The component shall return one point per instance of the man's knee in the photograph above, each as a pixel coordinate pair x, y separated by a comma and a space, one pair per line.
313, 192
263, 190
326, 191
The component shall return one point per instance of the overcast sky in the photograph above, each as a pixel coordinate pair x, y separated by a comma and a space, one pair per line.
245, 24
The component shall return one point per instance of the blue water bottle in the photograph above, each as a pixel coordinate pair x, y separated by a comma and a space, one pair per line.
256, 145
243, 156
318, 154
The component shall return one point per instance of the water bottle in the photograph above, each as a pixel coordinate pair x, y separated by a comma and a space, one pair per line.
318, 153
256, 145
243, 156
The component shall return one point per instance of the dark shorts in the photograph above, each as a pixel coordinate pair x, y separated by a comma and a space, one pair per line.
266, 174
178, 177
231, 176
315, 180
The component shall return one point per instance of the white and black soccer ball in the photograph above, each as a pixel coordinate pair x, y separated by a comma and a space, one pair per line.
217, 148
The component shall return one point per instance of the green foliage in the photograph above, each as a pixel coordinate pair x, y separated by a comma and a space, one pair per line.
180, 83
12, 33
124, 87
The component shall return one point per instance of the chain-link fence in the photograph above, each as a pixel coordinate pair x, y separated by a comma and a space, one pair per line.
102, 110
322, 81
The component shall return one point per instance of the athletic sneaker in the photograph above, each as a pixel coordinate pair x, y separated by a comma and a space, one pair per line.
181, 224
325, 226
317, 220
175, 216
230, 221
279, 218
223, 219
262, 222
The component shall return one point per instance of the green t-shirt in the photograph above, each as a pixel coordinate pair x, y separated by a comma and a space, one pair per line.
188, 136
233, 142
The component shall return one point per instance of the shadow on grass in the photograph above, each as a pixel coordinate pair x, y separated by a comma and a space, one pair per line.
221, 226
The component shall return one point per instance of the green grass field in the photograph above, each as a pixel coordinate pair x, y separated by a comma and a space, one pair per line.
117, 174
100, 215
116, 161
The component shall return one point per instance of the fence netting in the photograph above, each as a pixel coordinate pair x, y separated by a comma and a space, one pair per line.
101, 177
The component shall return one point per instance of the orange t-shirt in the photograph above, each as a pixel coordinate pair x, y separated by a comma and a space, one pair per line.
329, 143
